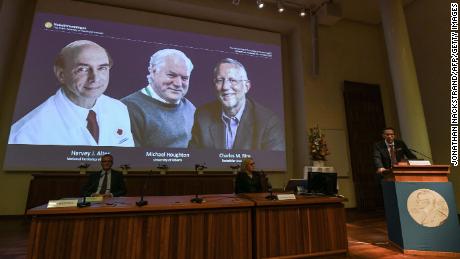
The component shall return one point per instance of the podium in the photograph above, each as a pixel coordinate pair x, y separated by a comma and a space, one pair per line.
420, 210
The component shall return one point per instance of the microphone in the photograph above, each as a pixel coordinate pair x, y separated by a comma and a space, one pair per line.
199, 168
83, 167
271, 196
125, 166
420, 153
163, 168
235, 168
141, 202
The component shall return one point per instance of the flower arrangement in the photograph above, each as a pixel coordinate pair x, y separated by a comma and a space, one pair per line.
318, 146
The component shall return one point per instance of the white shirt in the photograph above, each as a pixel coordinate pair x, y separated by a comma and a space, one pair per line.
389, 146
104, 174
148, 90
58, 121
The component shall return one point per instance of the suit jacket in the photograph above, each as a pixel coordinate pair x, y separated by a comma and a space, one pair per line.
259, 128
382, 156
117, 184
246, 184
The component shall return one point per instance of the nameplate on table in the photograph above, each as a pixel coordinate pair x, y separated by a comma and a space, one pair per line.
282, 197
62, 203
94, 199
419, 162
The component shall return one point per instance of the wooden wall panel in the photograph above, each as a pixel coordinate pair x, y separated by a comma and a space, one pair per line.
195, 234
300, 230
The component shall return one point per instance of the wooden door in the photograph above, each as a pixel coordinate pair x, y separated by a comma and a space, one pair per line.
365, 120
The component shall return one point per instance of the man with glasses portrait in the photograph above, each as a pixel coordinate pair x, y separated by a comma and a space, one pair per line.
235, 121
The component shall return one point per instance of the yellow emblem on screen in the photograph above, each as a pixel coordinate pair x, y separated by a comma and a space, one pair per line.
48, 25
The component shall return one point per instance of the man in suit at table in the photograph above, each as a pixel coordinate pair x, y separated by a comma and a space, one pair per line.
390, 151
106, 183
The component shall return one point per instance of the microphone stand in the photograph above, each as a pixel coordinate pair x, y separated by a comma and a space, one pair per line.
196, 199
271, 196
420, 153
198, 168
83, 203
143, 202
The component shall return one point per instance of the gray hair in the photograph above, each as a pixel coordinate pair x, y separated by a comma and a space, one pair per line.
158, 59
233, 62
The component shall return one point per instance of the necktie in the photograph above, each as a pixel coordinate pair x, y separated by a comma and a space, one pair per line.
92, 125
393, 155
232, 124
104, 184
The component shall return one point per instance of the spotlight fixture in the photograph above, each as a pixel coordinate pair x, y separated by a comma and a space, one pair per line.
303, 12
280, 6
260, 4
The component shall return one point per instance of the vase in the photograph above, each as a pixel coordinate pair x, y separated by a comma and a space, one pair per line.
319, 163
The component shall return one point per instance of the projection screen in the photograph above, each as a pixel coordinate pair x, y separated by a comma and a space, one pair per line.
51, 130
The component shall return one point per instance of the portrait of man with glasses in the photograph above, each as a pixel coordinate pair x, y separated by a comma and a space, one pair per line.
235, 121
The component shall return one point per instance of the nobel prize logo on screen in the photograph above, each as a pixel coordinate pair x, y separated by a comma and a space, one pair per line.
48, 25
72, 28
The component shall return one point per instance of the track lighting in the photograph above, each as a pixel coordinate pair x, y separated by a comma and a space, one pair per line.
283, 5
260, 4
280, 6
303, 12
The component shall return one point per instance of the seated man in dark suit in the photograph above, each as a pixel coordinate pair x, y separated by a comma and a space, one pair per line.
248, 180
107, 182
390, 151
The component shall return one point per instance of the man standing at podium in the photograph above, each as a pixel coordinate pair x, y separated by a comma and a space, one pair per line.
107, 183
390, 151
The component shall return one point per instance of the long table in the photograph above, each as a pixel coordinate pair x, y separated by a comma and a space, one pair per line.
224, 226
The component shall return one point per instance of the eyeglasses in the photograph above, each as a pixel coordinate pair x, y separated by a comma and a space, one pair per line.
233, 82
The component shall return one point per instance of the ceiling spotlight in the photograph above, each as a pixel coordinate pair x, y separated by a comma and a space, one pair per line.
280, 6
260, 4
303, 12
